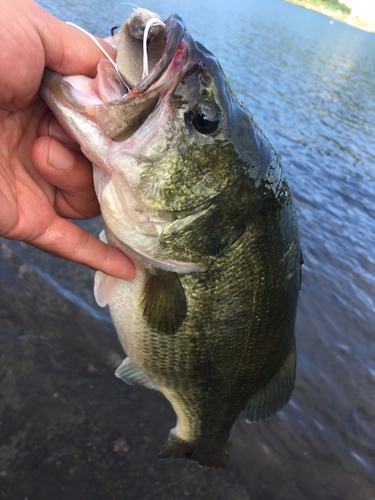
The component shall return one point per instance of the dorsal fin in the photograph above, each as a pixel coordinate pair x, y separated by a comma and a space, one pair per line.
164, 301
275, 394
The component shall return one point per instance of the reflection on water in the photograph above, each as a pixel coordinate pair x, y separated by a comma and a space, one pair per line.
310, 86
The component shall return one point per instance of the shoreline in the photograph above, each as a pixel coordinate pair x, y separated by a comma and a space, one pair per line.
352, 19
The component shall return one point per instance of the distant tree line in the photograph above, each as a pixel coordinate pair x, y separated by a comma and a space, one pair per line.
333, 4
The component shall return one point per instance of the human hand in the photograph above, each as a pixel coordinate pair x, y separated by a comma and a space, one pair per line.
43, 182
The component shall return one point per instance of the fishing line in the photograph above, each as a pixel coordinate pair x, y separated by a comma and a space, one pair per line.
101, 48
119, 5
151, 22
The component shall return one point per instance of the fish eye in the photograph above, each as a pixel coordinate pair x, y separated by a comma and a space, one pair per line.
205, 118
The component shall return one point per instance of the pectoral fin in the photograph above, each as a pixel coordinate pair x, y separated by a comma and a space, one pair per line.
275, 394
131, 374
164, 301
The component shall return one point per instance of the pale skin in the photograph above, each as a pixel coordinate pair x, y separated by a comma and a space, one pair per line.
44, 179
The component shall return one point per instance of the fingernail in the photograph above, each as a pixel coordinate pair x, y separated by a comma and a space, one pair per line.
60, 157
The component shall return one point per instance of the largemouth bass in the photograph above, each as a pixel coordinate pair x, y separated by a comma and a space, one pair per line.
194, 193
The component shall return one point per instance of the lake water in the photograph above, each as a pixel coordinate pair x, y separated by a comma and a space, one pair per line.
310, 85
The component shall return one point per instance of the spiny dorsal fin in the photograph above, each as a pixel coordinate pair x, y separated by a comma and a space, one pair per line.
131, 374
275, 394
164, 301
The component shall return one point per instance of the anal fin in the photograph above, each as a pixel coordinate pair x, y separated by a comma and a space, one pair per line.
274, 395
131, 374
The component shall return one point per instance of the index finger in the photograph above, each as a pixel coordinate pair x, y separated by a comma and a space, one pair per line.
64, 239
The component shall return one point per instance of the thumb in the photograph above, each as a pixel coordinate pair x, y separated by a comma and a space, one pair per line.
31, 39
67, 49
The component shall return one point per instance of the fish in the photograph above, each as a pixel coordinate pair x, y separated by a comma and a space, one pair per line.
193, 192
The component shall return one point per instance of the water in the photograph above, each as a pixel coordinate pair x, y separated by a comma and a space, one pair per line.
310, 86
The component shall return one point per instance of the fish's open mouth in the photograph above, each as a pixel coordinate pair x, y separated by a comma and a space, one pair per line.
106, 100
